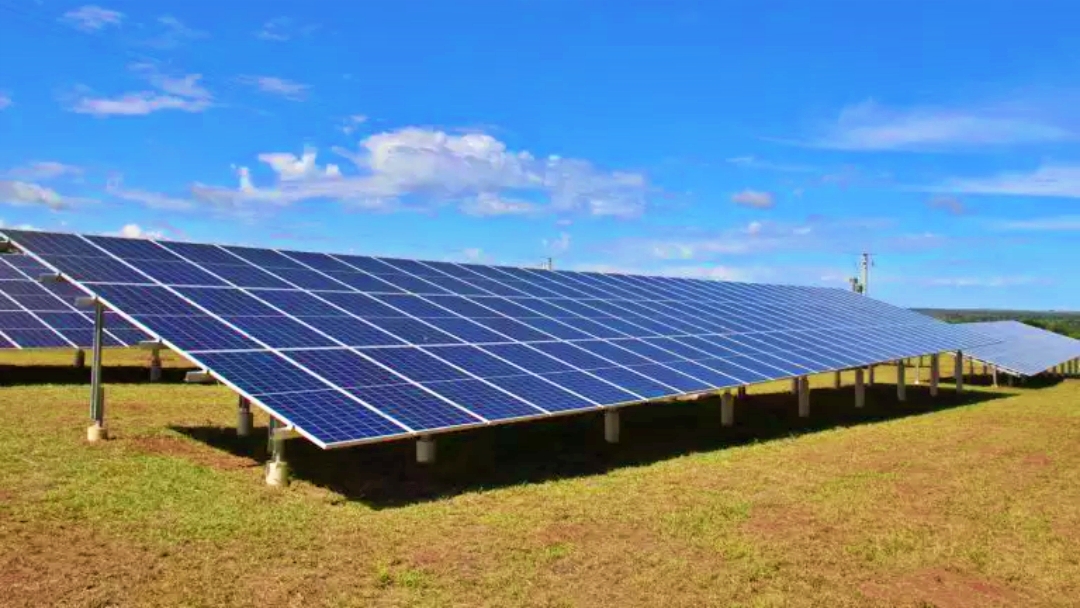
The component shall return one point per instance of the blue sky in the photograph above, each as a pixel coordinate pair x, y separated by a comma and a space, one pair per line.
761, 141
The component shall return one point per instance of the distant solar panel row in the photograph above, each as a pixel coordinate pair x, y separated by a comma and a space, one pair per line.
351, 349
43, 315
1023, 349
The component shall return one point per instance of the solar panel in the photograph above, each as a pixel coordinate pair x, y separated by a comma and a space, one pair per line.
353, 349
34, 314
1023, 349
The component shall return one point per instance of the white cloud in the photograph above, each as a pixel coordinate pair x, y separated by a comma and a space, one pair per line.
290, 167
152, 200
754, 198
134, 231
869, 126
4, 224
281, 29
701, 271
950, 204
753, 162
487, 204
1055, 180
174, 33
281, 87
416, 167
352, 123
22, 193
183, 93
5, 100
43, 171
473, 254
557, 246
92, 18
991, 281
1064, 223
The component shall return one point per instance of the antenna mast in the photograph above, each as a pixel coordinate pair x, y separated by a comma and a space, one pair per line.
867, 262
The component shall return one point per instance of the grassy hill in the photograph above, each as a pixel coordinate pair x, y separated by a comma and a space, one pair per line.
949, 502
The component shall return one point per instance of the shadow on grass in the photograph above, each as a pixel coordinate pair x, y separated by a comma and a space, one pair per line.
387, 475
16, 375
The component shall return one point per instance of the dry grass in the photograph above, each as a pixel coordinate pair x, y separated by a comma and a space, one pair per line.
946, 503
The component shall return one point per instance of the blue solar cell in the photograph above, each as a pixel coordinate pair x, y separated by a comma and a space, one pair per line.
412, 284
36, 338
97, 270
537, 391
415, 407
261, 372
8, 272
19, 320
318, 261
332, 416
65, 320
415, 364
296, 302
496, 287
509, 308
466, 330
351, 331
453, 285
554, 328
611, 352
571, 355
670, 377
653, 353
264, 258
364, 282
529, 358
50, 243
344, 367
129, 337
225, 301
201, 254
474, 360
513, 330
195, 332
367, 264
635, 382
7, 303
413, 331
484, 399
593, 328
43, 302
733, 369
13, 288
279, 332
679, 348
592, 388
413, 306
309, 279
243, 275
6, 343
711, 377
361, 304
85, 337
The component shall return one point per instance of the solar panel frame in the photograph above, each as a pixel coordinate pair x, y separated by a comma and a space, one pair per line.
1023, 350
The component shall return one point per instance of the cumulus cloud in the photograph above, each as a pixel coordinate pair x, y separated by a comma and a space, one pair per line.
870, 126
754, 198
20, 193
134, 231
352, 123
180, 93
43, 171
415, 167
290, 167
152, 200
272, 85
91, 18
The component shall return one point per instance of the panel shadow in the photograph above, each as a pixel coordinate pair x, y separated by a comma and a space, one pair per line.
387, 475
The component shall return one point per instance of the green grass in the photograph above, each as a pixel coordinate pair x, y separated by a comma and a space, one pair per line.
947, 502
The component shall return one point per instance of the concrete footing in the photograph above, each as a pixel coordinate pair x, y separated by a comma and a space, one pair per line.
277, 473
727, 409
96, 432
611, 426
425, 450
155, 365
803, 384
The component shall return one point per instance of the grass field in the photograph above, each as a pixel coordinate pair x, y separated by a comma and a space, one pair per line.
950, 502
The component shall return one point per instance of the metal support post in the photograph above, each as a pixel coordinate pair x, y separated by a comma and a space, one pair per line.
935, 374
803, 384
901, 381
155, 365
277, 469
611, 426
727, 409
870, 375
838, 379
959, 371
244, 419
918, 371
80, 359
425, 450
741, 392
96, 431
795, 385
860, 389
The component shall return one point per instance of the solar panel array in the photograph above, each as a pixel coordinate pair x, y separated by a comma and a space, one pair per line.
352, 349
1023, 349
43, 315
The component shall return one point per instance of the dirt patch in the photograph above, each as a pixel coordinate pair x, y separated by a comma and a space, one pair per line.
941, 589
779, 523
68, 566
1038, 460
203, 455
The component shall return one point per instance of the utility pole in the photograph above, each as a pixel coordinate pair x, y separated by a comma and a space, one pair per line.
865, 278
550, 265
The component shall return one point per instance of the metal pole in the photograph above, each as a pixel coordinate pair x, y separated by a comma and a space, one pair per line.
901, 381
96, 431
959, 371
935, 374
